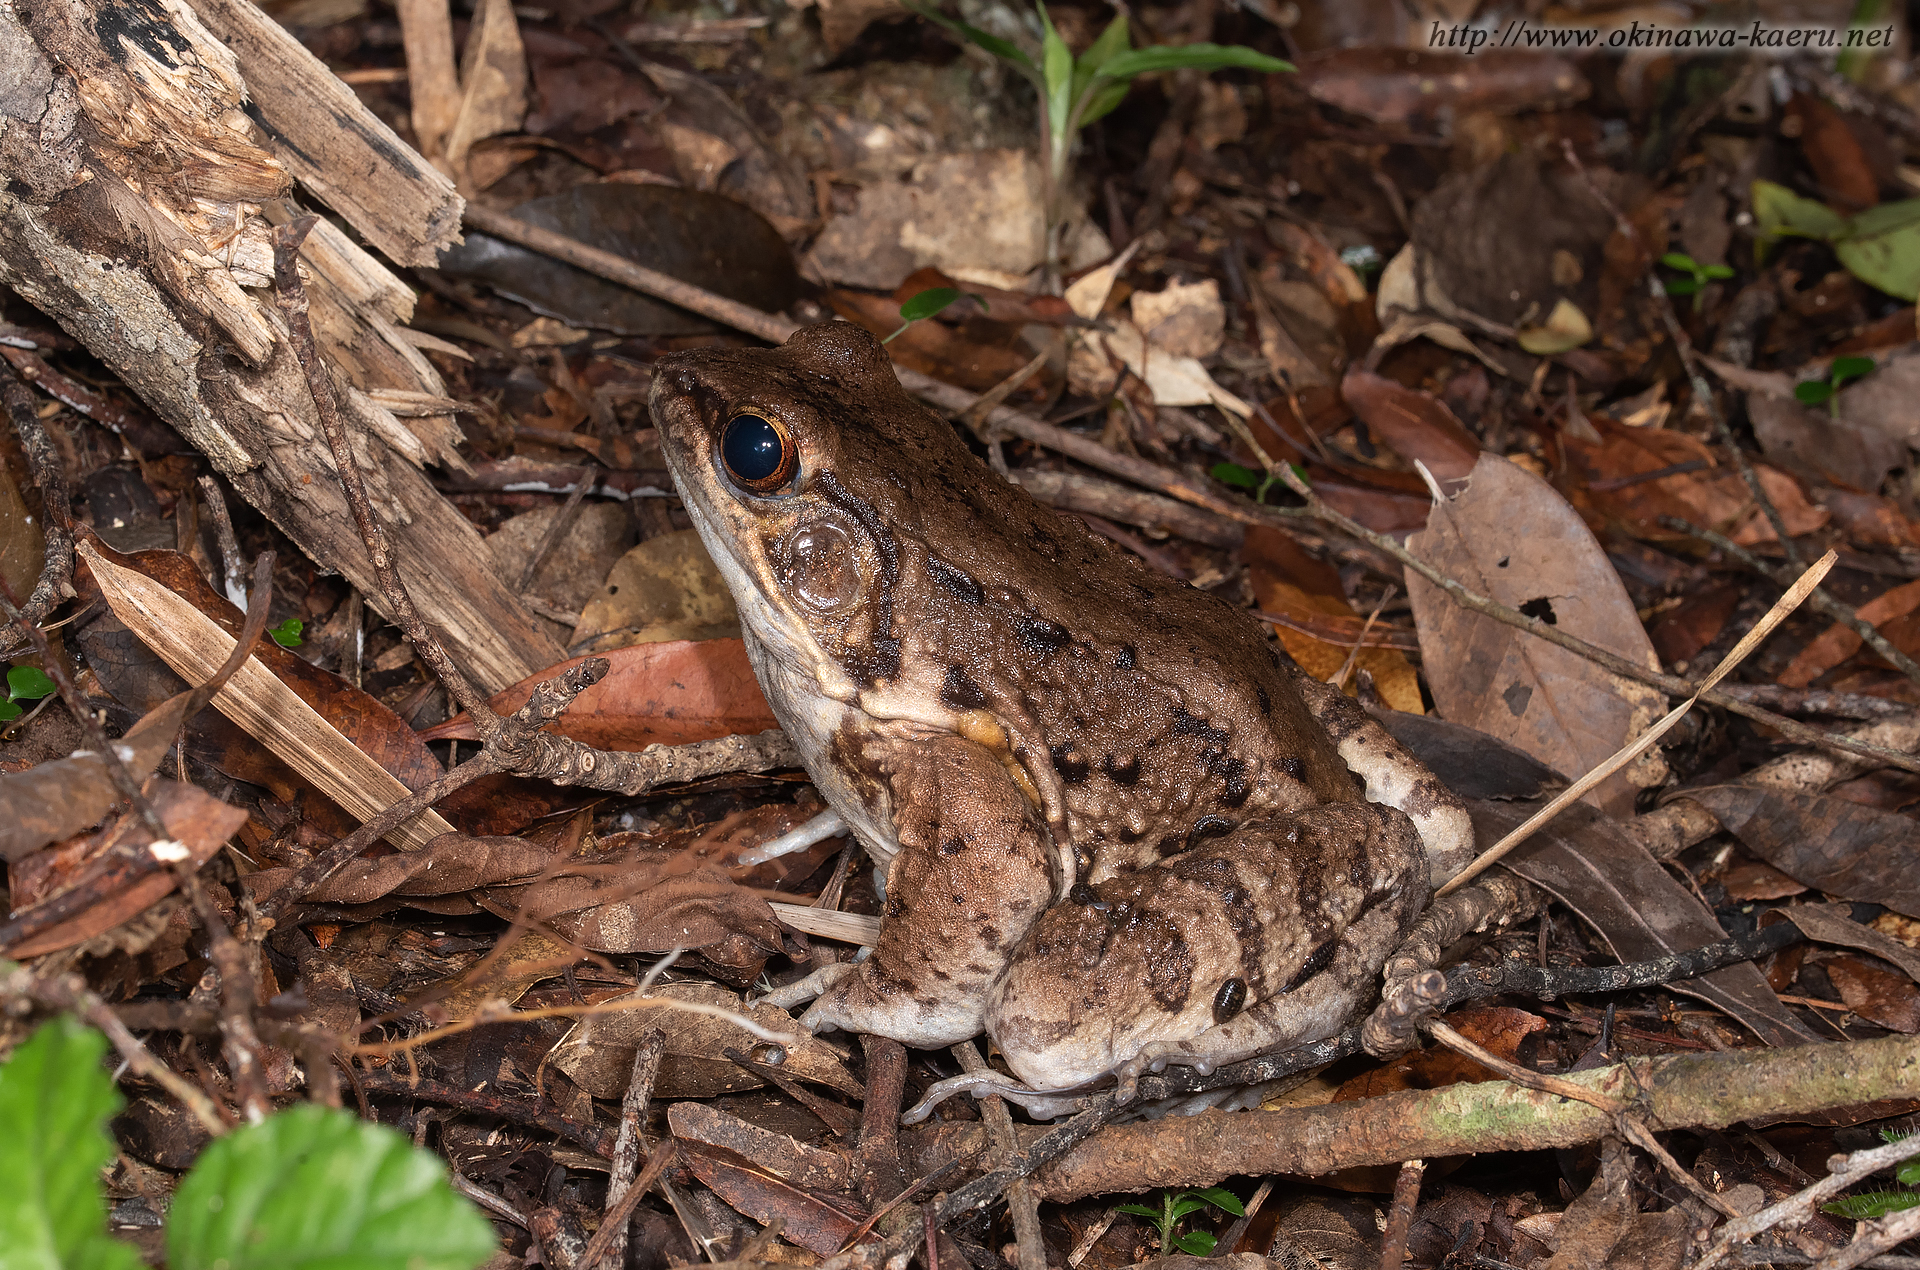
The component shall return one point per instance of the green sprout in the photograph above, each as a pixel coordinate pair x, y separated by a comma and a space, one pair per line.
1174, 1206
24, 683
287, 634
1877, 1204
1075, 91
1246, 478
925, 304
1698, 276
1818, 392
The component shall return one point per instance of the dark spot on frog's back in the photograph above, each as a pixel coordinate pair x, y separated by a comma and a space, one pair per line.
1170, 966
1292, 766
1127, 773
1126, 658
960, 691
1266, 702
1316, 961
1185, 724
1040, 637
1230, 1000
961, 585
1070, 763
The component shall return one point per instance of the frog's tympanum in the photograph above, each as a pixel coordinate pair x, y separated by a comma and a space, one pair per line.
1119, 826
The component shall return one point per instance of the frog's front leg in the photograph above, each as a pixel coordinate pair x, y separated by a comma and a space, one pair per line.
972, 875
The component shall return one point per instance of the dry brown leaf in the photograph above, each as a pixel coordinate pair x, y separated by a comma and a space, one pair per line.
1509, 536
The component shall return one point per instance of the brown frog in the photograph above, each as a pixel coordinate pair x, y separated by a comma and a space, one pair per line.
1119, 826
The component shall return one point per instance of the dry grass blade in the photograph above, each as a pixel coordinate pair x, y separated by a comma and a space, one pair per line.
1640, 744
854, 928
255, 699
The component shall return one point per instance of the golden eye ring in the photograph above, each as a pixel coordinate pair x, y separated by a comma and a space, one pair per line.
758, 454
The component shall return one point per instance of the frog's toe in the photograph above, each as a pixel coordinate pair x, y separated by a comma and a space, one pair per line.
800, 991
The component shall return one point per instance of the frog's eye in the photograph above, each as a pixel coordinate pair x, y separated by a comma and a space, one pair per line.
758, 454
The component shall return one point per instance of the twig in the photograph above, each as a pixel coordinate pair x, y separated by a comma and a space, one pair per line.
631, 1139
558, 529
48, 473
291, 295
1702, 391
1821, 598
233, 569
1022, 1207
1843, 1171
620, 1212
1406, 1193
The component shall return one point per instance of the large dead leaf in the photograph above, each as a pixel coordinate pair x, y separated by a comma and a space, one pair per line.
653, 694
665, 589
1639, 475
1841, 847
1509, 536
448, 865
1838, 642
1417, 425
708, 240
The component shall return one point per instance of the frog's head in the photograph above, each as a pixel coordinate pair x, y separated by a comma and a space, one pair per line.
787, 459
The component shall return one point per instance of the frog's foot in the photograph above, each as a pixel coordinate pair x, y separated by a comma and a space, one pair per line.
1042, 1104
867, 1000
801, 991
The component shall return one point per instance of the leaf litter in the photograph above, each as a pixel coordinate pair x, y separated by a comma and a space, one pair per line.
1378, 265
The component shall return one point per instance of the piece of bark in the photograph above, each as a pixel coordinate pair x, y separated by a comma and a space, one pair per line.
336, 147
120, 248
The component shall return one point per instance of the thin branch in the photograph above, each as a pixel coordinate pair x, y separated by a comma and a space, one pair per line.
51, 477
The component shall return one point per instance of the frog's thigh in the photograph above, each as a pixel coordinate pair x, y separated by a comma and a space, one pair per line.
971, 876
1269, 936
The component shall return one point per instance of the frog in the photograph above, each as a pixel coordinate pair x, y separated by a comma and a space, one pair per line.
1117, 826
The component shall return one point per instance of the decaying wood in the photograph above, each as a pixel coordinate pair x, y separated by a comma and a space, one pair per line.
333, 145
138, 209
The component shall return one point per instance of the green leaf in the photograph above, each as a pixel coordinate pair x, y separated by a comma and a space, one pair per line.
1908, 1173
1115, 39
1199, 57
287, 634
1057, 65
1682, 286
1197, 1243
1138, 1210
1812, 392
929, 302
55, 1102
1845, 368
1778, 210
1184, 1205
318, 1189
1221, 1197
1679, 260
1234, 474
1872, 1205
1884, 250
9, 710
28, 683
1716, 271
974, 35
1105, 98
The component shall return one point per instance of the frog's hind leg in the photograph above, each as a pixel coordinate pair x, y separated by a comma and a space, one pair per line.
972, 874
1268, 936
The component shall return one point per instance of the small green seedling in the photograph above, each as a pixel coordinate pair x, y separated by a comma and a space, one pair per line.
1876, 1204
926, 304
1246, 478
287, 634
24, 683
1075, 91
1826, 392
1177, 1205
1698, 276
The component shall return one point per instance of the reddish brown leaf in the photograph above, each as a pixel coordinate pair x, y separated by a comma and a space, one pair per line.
198, 820
1415, 424
1844, 849
1400, 86
812, 1221
1002, 306
653, 694
1682, 632
778, 1154
977, 354
1838, 159
1638, 475
449, 865
1877, 995
1757, 880
1837, 643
